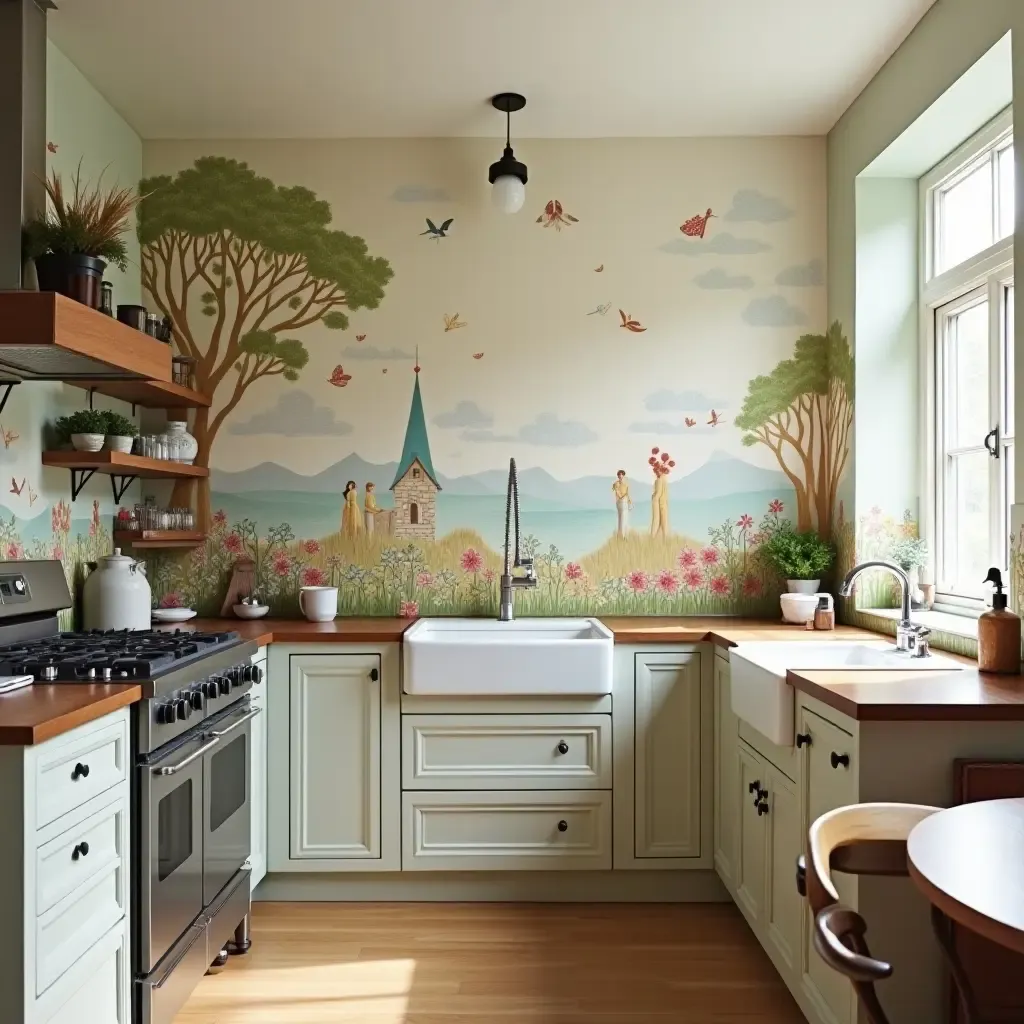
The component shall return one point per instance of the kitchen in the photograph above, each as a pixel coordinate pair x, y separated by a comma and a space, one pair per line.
305, 386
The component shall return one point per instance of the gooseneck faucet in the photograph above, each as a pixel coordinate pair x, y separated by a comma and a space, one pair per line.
909, 637
510, 583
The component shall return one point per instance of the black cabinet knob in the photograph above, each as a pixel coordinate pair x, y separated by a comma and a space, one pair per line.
374, 675
754, 786
563, 826
803, 739
759, 795
563, 747
81, 850
840, 759
80, 771
801, 875
762, 808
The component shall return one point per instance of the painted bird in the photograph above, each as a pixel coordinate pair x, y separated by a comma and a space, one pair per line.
360, 337
385, 370
689, 422
478, 355
31, 496
696, 225
51, 147
16, 488
9, 436
435, 232
715, 419
453, 323
601, 310
598, 270
629, 323
339, 378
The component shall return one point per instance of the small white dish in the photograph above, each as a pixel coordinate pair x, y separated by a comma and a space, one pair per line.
250, 611
798, 608
173, 614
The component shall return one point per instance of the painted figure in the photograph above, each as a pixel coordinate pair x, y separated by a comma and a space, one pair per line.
351, 521
659, 506
370, 509
623, 502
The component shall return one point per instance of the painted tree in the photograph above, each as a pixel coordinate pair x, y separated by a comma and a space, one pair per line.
236, 262
803, 411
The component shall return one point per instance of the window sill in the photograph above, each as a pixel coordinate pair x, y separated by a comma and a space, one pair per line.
944, 622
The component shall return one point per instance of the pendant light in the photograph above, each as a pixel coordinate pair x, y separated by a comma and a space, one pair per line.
508, 175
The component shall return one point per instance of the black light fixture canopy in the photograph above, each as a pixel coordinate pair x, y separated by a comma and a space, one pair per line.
508, 103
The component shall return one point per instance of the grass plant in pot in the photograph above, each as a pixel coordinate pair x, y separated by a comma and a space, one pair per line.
120, 431
84, 430
801, 559
81, 231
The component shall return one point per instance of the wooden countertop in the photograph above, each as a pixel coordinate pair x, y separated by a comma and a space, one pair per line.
299, 631
723, 632
40, 712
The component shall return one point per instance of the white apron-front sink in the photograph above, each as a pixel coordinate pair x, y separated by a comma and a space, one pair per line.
482, 657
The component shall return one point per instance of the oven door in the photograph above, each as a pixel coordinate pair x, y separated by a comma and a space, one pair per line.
227, 830
171, 846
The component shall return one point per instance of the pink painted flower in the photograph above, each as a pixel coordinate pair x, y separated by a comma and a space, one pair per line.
667, 582
709, 556
282, 564
60, 517
687, 558
425, 579
311, 547
471, 560
311, 576
15, 551
720, 586
654, 451
775, 506
637, 581
488, 575
220, 517
745, 522
172, 600
693, 578
751, 586
574, 571
408, 610
233, 543
652, 461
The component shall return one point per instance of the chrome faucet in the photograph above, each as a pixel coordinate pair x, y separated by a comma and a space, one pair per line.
510, 583
909, 637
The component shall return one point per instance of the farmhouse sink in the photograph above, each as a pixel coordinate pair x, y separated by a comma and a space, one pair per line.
762, 697
482, 657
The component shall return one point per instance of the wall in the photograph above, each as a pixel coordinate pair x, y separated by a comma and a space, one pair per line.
38, 520
609, 324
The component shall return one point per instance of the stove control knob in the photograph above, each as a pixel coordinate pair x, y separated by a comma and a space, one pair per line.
165, 713
257, 674
196, 699
224, 684
183, 708
238, 677
210, 689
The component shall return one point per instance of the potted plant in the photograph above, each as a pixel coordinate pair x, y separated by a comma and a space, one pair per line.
911, 554
120, 432
85, 429
801, 559
81, 232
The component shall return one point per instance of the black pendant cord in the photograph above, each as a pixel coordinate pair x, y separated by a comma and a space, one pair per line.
508, 130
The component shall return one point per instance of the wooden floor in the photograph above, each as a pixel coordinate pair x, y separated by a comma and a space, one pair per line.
445, 963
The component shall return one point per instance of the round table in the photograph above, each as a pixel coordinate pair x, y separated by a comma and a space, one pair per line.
969, 862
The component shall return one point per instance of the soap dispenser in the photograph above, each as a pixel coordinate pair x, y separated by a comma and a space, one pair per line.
998, 633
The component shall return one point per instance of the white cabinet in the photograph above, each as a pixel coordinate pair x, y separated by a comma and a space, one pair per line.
258, 779
750, 867
103, 995
727, 793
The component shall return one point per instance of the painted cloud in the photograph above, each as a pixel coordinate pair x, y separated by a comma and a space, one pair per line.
719, 278
724, 244
547, 429
419, 194
295, 415
774, 311
465, 414
803, 275
680, 401
370, 352
750, 205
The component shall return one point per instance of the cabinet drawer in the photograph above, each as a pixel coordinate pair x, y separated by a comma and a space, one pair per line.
87, 849
78, 768
506, 831
506, 752
97, 991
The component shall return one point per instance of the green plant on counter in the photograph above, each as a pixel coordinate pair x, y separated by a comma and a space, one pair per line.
85, 421
909, 552
799, 556
116, 425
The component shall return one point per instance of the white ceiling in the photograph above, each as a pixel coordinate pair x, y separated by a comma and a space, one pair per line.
372, 68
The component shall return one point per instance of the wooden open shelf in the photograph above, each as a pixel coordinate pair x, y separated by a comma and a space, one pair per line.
158, 538
150, 394
123, 464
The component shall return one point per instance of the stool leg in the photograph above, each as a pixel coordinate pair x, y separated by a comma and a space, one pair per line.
943, 928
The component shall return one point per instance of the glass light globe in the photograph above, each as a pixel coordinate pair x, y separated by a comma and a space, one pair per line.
508, 193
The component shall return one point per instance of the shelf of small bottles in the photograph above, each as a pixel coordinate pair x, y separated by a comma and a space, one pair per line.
140, 539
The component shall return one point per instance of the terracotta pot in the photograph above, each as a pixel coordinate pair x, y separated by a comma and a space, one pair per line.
73, 274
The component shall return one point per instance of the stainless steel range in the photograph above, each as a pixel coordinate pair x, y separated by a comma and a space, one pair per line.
191, 745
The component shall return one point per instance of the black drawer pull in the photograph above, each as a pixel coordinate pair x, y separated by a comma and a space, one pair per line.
563, 747
803, 739
754, 786
374, 675
80, 771
81, 850
840, 759
762, 808
759, 795
563, 826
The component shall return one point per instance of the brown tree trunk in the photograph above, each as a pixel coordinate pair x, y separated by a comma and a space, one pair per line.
182, 494
803, 507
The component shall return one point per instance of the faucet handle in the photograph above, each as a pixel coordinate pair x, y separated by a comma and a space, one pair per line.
526, 564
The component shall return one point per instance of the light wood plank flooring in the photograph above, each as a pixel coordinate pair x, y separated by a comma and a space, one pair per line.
481, 963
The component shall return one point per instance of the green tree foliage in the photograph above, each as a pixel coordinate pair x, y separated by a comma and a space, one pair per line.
803, 411
256, 260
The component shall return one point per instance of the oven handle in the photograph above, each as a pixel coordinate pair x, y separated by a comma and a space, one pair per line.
199, 931
252, 713
173, 769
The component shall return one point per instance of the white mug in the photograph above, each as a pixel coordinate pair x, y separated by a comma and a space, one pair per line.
319, 604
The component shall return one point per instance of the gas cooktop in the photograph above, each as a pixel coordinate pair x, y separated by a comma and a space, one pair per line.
110, 655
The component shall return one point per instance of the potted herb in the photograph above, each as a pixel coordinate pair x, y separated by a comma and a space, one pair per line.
81, 232
120, 432
84, 430
801, 559
911, 554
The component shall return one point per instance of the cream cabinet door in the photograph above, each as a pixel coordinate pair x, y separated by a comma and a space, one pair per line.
667, 779
258, 787
752, 775
335, 756
727, 802
783, 905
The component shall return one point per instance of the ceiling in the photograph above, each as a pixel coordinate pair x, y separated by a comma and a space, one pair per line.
379, 68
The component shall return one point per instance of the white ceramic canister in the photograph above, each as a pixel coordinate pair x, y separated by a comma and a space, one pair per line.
116, 594
187, 445
319, 604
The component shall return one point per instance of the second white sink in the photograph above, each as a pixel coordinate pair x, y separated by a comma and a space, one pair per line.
481, 657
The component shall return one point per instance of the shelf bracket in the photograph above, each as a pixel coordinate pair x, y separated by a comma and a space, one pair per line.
92, 392
120, 484
79, 478
8, 386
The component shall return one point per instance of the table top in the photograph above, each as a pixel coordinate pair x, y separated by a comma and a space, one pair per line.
969, 862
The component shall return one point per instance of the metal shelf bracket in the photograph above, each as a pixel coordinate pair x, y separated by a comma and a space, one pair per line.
120, 484
79, 478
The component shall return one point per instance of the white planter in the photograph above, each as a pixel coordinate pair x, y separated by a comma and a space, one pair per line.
803, 586
188, 446
87, 442
117, 443
798, 608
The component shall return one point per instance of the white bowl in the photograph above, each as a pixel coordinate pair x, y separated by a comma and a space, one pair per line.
250, 611
798, 608
87, 442
173, 614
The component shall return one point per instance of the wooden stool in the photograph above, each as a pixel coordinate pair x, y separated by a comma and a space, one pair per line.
863, 839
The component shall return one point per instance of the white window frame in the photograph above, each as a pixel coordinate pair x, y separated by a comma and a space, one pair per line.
982, 276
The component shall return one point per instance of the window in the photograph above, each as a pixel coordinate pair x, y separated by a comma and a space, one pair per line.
414, 514
967, 312
415, 474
